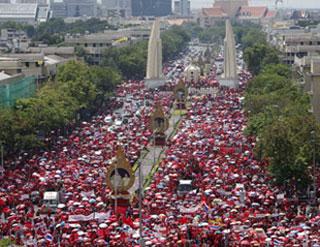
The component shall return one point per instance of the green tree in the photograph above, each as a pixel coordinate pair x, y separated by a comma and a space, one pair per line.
259, 55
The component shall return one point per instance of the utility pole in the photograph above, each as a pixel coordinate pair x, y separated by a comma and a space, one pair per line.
2, 162
116, 183
314, 166
140, 207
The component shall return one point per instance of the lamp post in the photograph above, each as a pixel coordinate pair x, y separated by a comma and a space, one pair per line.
2, 162
313, 139
116, 178
140, 207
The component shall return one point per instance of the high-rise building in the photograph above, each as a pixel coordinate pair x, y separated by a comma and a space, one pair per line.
58, 8
116, 7
76, 8
151, 7
182, 8
73, 8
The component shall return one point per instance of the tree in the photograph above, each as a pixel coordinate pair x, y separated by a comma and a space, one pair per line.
259, 55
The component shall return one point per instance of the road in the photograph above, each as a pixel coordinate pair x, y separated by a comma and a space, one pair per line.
154, 155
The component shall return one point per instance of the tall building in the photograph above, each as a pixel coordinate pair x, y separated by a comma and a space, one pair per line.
151, 7
58, 8
77, 8
116, 7
73, 8
182, 8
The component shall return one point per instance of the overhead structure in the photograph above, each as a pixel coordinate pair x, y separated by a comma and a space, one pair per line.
230, 76
180, 94
120, 178
154, 77
159, 123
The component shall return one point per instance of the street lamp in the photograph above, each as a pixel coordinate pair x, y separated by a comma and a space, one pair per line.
2, 162
140, 207
313, 140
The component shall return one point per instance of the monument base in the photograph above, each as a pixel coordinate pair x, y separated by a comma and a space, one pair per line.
180, 106
232, 83
154, 83
160, 139
123, 199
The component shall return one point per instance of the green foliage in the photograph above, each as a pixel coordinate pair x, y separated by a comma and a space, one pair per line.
213, 34
279, 117
5, 242
52, 31
55, 105
174, 40
131, 61
260, 55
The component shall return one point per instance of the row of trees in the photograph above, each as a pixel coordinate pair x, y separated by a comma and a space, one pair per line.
131, 60
78, 91
78, 87
279, 116
53, 31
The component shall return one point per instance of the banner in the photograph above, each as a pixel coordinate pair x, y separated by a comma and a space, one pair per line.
93, 216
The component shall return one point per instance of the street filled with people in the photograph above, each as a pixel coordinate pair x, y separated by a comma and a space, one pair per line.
208, 190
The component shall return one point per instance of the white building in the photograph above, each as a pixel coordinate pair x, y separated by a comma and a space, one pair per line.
192, 73
26, 13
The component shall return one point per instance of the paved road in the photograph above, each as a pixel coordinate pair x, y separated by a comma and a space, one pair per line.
153, 155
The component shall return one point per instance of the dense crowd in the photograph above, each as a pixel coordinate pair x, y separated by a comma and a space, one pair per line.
231, 203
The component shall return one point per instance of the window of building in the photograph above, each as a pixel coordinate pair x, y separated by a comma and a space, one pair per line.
301, 43
310, 43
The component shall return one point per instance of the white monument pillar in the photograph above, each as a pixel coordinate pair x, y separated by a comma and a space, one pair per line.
230, 76
154, 77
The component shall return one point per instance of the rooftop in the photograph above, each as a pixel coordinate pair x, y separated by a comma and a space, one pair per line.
15, 9
248, 11
213, 12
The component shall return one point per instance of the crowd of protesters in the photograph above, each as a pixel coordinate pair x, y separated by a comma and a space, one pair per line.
231, 201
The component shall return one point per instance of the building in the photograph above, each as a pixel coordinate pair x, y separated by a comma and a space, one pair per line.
113, 8
73, 8
77, 8
151, 7
182, 8
13, 87
192, 73
12, 40
295, 42
234, 9
95, 44
314, 79
58, 9
35, 65
252, 14
230, 7
25, 13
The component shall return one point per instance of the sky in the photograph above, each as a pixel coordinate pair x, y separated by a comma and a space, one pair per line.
270, 3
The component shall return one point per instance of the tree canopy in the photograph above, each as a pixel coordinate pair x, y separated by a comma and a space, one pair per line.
55, 105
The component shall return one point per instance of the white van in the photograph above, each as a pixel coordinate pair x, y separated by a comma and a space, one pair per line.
184, 186
51, 199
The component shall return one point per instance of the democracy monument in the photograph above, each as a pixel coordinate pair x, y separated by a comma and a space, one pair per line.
154, 77
230, 77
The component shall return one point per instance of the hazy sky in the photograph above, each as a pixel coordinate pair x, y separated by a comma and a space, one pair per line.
270, 3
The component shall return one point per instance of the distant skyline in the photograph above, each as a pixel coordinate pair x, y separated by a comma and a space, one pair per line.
269, 3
